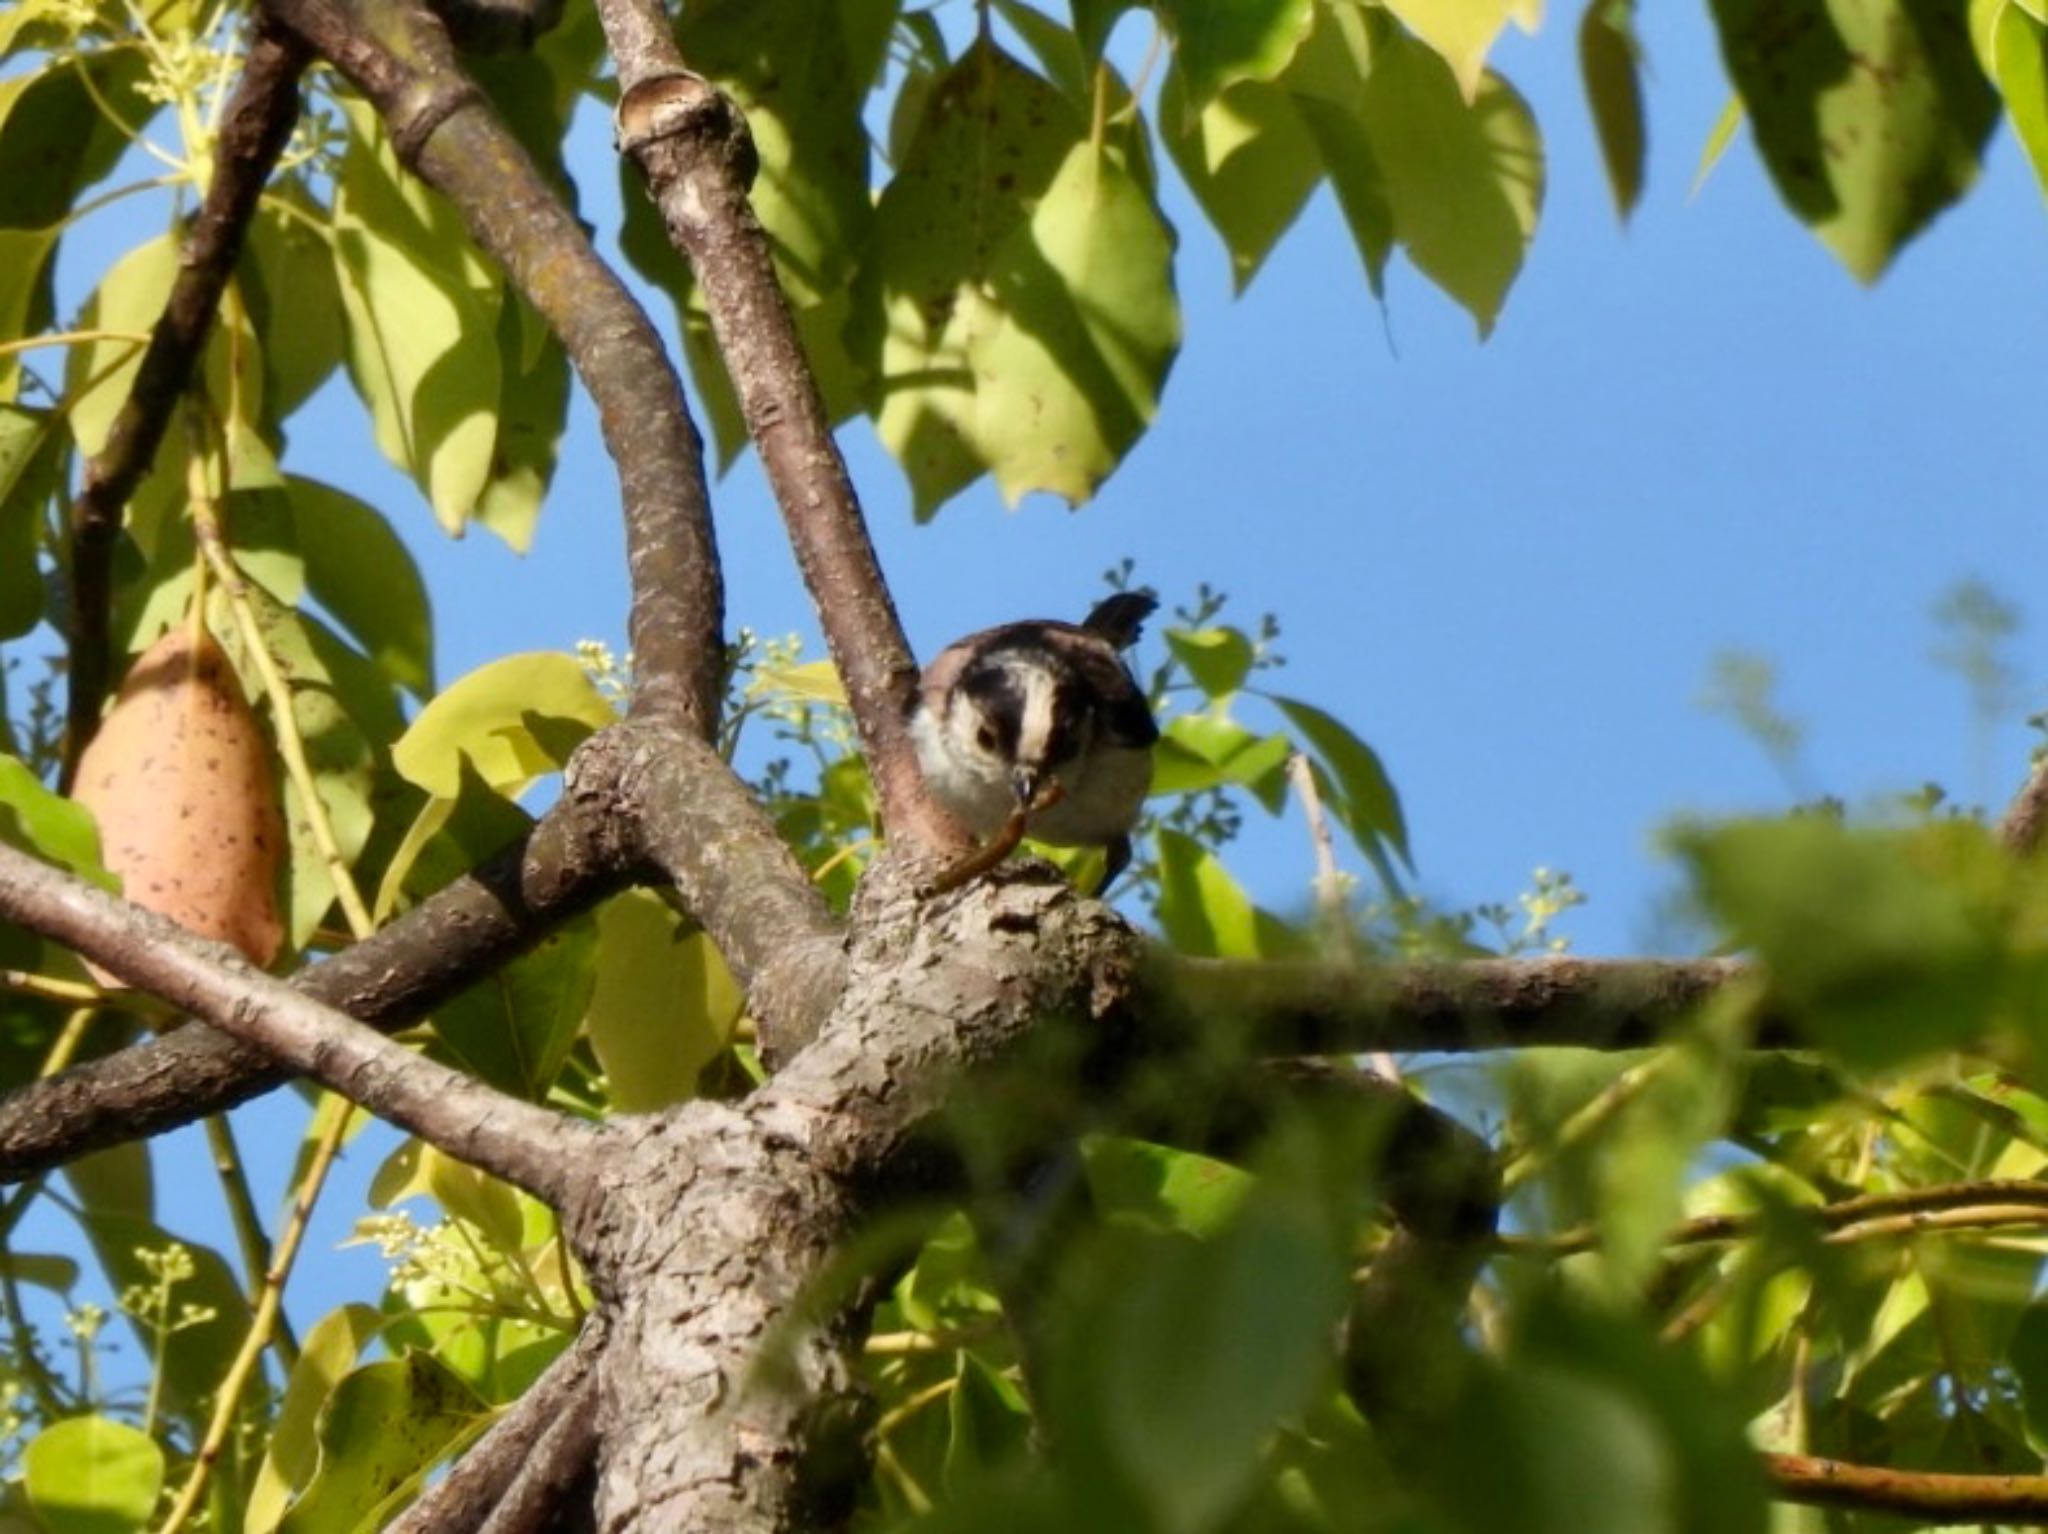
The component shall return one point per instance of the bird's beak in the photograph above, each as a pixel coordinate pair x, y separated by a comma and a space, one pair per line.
1024, 783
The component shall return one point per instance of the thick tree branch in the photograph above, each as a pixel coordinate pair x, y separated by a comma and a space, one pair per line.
696, 822
1309, 1008
540, 1150
692, 145
254, 129
1926, 1496
398, 54
435, 951
503, 1461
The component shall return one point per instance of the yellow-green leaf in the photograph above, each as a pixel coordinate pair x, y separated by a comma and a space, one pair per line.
498, 717
1219, 42
1248, 158
1460, 31
382, 1429
1017, 305
292, 1454
2019, 53
665, 1003
1464, 179
92, 1475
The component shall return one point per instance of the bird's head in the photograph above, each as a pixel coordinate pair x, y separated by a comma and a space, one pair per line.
1017, 715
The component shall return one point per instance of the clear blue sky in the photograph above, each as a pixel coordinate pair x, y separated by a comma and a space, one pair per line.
1509, 566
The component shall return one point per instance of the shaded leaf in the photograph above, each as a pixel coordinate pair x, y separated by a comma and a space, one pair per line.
1248, 158
1460, 31
1219, 42
92, 1475
360, 570
1610, 60
287, 278
514, 1028
1871, 115
664, 1004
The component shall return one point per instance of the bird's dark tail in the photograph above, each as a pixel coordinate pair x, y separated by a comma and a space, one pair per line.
1118, 618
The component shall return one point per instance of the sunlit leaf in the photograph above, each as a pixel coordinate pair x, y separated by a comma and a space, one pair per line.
1460, 31
1017, 304
92, 1475
291, 1456
665, 1003
1871, 115
422, 328
496, 717
1248, 158
1365, 801
1464, 179
2019, 52
382, 1429
287, 278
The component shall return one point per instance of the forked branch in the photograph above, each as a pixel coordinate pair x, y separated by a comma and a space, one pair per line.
541, 1151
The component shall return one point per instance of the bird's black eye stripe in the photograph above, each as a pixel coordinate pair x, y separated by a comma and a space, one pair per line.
985, 737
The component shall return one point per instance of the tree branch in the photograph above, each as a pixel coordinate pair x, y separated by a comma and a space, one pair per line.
1927, 1496
498, 1465
695, 821
1311, 1008
433, 952
2026, 818
399, 56
540, 1150
692, 145
254, 129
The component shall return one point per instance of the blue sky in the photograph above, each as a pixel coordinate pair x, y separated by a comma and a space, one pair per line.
1509, 566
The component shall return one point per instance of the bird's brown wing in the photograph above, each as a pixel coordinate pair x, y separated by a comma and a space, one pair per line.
1120, 702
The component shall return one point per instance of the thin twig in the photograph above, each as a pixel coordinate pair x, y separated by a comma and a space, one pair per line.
254, 130
268, 1314
1926, 1496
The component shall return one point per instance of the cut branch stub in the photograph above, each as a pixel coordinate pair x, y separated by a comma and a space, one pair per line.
685, 105
179, 779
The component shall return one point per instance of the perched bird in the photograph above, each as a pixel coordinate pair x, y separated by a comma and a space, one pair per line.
1040, 727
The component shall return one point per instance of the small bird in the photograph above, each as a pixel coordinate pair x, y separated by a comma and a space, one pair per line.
1040, 726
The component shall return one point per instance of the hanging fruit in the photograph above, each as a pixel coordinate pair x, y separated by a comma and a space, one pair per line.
179, 779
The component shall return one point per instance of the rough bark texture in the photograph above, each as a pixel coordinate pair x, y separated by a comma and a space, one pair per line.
479, 923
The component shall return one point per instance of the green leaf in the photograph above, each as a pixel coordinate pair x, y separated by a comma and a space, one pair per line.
92, 1475
1192, 1351
1871, 115
1327, 81
1094, 20
1206, 913
532, 412
1249, 159
422, 327
382, 1429
49, 825
1364, 799
515, 1027
1219, 659
287, 278
664, 1005
1162, 1187
360, 571
292, 1454
1464, 180
1206, 750
1219, 42
24, 293
344, 776
1886, 945
1610, 59
2019, 53
490, 718
1461, 32
1016, 306
1057, 49
988, 1423
44, 1270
